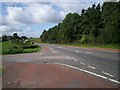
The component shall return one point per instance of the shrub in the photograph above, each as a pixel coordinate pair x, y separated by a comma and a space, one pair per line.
30, 46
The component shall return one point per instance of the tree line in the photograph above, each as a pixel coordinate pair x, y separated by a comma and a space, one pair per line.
13, 37
95, 25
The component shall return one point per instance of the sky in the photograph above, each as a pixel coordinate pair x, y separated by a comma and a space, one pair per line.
31, 18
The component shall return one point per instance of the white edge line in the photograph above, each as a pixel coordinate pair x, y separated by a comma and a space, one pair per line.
87, 52
95, 74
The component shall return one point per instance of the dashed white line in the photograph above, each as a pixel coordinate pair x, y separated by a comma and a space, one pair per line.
107, 74
40, 53
87, 52
91, 67
60, 47
77, 51
82, 63
80, 52
95, 74
75, 60
67, 56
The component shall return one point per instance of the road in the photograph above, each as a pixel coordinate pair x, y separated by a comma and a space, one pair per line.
80, 67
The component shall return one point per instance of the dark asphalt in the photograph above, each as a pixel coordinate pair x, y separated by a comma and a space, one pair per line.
104, 62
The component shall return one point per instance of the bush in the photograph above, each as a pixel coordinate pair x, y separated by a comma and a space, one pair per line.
13, 48
30, 46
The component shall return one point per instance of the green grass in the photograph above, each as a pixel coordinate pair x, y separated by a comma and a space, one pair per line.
11, 48
29, 50
0, 48
16, 47
111, 46
2, 70
36, 40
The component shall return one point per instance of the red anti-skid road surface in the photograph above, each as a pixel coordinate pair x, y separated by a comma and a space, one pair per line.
26, 75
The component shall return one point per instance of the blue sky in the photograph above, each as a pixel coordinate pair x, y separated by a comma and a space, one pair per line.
31, 18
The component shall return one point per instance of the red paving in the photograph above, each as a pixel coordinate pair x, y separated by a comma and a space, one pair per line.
26, 75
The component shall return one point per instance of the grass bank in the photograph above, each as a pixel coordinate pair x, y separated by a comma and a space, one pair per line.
36, 40
18, 47
2, 70
108, 46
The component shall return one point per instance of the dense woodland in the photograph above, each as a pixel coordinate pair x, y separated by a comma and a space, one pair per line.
96, 25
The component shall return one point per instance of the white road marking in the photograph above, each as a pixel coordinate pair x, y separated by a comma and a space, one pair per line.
87, 52
75, 60
91, 67
95, 74
54, 51
80, 52
82, 63
40, 53
77, 51
67, 56
107, 74
60, 47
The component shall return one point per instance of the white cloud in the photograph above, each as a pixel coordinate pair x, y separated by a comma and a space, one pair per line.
28, 32
33, 13
9, 29
74, 7
44, 13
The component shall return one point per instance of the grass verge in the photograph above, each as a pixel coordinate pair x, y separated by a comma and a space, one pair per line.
2, 70
109, 46
14, 48
29, 50
36, 40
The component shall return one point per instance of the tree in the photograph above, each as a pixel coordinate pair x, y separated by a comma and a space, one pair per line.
24, 37
97, 24
15, 36
4, 38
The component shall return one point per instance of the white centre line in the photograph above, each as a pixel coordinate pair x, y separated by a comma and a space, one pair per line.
87, 52
91, 67
107, 74
67, 56
77, 51
82, 63
75, 60
40, 53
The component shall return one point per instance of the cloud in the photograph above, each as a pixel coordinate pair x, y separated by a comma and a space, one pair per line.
28, 32
32, 14
15, 29
9, 29
74, 7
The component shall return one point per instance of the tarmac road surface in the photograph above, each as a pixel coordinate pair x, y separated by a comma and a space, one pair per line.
62, 67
